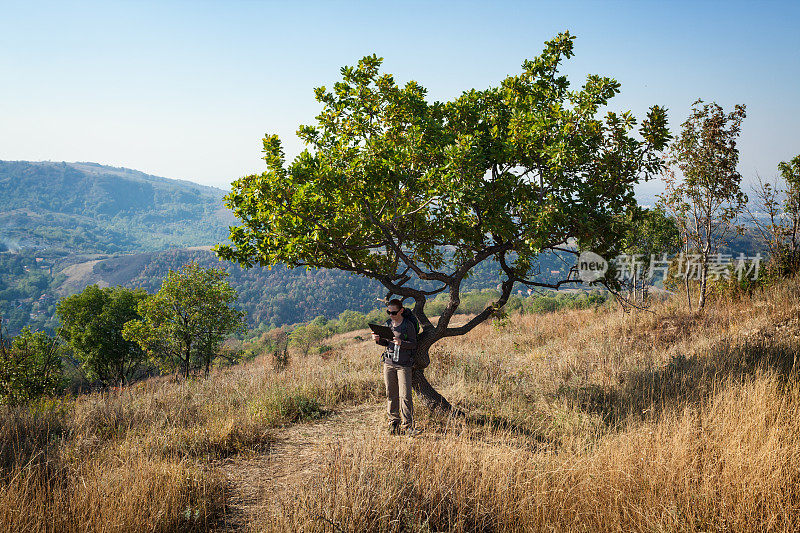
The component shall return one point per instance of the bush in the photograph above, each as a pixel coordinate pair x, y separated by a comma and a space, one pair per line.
282, 405
30, 367
736, 286
308, 335
350, 321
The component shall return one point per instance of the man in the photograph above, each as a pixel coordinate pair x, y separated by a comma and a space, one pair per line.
398, 359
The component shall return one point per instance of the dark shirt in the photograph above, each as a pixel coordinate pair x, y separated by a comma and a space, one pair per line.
408, 343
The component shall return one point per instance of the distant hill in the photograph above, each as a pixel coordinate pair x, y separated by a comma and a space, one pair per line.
273, 296
94, 208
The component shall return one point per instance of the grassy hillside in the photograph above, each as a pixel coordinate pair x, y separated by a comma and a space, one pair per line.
589, 420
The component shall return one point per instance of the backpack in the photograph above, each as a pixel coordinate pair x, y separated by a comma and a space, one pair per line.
421, 360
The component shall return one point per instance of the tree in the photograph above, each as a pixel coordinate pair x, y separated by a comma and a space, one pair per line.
350, 321
185, 322
30, 366
652, 235
277, 341
415, 194
790, 172
92, 323
777, 217
308, 335
708, 199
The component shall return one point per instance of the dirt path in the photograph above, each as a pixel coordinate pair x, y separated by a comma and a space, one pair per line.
255, 482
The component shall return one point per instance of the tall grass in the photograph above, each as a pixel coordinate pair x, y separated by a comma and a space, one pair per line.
578, 420
141, 459
732, 464
599, 421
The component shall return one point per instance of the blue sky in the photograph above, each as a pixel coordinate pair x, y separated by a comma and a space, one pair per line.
188, 89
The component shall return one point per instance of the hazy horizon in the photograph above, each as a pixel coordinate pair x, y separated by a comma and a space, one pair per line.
187, 91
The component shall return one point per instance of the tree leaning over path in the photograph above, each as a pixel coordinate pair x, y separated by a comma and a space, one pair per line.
415, 194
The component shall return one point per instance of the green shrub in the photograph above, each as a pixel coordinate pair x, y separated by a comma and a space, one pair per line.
284, 406
30, 367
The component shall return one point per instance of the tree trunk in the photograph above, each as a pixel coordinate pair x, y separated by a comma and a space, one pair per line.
430, 396
186, 361
703, 286
688, 292
432, 399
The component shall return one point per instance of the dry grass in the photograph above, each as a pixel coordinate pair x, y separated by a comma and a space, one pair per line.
730, 465
579, 420
599, 421
140, 459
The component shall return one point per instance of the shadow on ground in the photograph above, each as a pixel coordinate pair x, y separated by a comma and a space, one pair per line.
683, 381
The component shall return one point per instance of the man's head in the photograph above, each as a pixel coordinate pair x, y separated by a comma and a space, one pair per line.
394, 307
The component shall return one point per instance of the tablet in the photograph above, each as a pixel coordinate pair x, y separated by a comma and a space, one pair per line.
385, 332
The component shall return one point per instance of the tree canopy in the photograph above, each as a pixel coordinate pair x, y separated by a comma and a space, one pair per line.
185, 322
706, 198
30, 366
416, 193
92, 323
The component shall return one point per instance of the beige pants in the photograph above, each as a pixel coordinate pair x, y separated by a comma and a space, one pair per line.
398, 394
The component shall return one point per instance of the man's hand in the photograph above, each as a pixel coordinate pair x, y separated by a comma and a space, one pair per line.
397, 340
375, 337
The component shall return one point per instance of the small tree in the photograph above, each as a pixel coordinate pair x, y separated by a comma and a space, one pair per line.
30, 366
278, 342
707, 199
185, 322
350, 321
308, 335
651, 236
790, 171
777, 217
92, 323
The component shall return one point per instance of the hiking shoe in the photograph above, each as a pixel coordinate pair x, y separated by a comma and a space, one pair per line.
394, 429
412, 432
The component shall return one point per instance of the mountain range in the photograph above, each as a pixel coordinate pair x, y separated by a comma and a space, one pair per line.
93, 208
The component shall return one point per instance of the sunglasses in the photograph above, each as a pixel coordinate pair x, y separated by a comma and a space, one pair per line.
391, 312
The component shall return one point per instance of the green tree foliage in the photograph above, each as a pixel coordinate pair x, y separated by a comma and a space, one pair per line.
186, 321
350, 321
790, 172
307, 336
30, 367
651, 233
391, 182
706, 198
92, 323
651, 236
